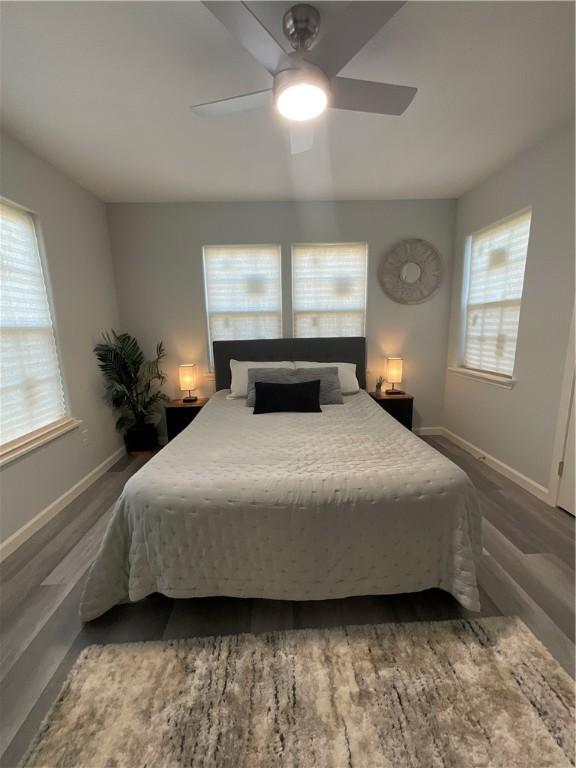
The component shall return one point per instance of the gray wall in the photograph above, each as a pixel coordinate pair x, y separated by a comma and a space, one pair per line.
517, 426
74, 231
157, 252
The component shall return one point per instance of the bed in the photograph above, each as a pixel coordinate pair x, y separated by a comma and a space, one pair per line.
290, 506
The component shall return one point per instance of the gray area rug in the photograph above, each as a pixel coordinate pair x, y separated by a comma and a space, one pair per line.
457, 693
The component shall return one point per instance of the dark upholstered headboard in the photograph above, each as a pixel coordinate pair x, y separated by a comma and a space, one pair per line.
350, 349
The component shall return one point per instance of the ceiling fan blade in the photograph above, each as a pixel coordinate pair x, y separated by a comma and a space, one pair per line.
245, 27
366, 96
244, 103
349, 31
301, 137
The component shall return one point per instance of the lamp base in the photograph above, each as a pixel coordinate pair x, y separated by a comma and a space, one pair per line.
189, 399
395, 392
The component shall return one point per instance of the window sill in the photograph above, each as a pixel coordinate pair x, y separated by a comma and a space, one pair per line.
28, 443
488, 378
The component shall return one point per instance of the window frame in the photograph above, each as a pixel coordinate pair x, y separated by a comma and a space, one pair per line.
308, 244
491, 377
29, 441
278, 247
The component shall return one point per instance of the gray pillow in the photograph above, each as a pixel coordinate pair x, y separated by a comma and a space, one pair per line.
330, 392
270, 375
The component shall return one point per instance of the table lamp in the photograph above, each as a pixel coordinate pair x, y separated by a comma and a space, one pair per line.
188, 381
394, 375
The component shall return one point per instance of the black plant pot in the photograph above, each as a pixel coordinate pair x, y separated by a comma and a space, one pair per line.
141, 437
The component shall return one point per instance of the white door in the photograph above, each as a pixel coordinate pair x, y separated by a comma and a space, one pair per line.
566, 489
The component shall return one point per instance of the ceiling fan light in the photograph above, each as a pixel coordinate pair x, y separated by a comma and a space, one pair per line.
302, 101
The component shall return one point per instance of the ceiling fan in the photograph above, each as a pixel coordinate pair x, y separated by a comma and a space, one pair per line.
305, 68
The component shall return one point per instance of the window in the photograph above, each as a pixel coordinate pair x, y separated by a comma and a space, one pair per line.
329, 289
492, 295
243, 292
31, 389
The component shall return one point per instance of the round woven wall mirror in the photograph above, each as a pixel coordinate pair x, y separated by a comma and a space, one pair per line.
411, 271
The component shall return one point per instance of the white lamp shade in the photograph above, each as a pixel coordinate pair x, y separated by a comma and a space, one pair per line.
395, 370
187, 377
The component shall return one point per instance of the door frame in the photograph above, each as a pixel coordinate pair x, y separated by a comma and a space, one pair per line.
566, 395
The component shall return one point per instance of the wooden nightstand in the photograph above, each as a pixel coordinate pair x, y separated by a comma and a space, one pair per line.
179, 414
399, 406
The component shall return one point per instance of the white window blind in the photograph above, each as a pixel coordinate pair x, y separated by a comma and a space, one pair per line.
243, 292
329, 289
31, 390
497, 259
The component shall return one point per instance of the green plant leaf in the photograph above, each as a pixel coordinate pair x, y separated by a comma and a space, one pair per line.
132, 384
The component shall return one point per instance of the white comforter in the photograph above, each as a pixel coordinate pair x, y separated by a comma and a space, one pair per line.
290, 506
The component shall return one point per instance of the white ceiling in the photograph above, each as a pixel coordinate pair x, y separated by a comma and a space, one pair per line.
102, 90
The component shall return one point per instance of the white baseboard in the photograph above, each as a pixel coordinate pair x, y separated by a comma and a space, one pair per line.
512, 474
23, 534
428, 431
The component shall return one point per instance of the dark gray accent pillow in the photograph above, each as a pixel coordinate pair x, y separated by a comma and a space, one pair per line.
270, 376
298, 397
330, 392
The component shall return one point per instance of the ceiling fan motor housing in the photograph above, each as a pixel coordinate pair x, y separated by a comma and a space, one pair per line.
301, 25
296, 70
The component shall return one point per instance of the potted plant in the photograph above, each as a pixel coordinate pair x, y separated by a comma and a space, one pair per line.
379, 382
132, 387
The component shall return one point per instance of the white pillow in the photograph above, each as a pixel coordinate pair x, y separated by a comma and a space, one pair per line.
346, 373
239, 371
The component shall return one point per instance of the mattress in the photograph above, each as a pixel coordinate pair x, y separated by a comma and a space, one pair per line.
290, 506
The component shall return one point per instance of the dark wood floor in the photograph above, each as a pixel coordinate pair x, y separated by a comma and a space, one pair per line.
527, 570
